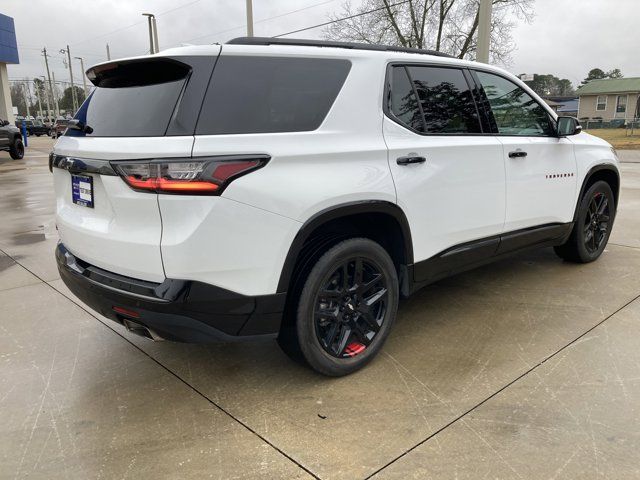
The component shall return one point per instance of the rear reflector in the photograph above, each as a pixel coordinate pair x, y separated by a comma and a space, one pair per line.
193, 176
126, 312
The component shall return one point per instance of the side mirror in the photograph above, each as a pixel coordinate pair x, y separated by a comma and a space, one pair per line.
568, 126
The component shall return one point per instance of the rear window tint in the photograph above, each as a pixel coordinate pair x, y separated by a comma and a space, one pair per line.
403, 101
270, 94
133, 100
446, 100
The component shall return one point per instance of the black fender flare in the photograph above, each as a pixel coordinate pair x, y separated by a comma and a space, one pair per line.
596, 168
339, 211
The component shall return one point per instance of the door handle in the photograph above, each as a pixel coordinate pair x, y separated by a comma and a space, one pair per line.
410, 159
517, 154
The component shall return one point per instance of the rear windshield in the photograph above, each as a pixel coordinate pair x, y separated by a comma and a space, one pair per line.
132, 99
270, 94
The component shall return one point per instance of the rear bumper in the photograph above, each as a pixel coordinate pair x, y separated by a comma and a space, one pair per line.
178, 310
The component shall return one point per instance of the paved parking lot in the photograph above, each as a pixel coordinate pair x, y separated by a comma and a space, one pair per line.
528, 368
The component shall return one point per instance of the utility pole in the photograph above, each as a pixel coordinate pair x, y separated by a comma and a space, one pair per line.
84, 77
46, 63
484, 31
249, 18
150, 18
108, 53
73, 89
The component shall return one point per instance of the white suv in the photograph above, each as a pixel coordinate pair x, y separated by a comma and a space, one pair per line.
298, 189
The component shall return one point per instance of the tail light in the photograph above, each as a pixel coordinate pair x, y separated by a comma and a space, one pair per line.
190, 176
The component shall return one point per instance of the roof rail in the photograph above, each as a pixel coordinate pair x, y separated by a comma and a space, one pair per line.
324, 43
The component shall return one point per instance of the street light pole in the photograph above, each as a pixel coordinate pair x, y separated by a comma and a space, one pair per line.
73, 89
484, 31
46, 96
25, 89
53, 96
155, 35
249, 18
35, 87
108, 53
84, 77
150, 18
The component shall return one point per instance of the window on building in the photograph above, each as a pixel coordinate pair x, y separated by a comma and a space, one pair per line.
621, 104
601, 103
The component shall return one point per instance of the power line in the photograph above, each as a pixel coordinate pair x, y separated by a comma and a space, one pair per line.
260, 21
342, 19
135, 24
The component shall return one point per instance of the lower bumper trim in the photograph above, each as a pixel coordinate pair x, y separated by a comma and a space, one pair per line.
178, 310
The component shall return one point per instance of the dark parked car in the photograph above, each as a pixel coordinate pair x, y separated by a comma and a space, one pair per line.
11, 140
37, 128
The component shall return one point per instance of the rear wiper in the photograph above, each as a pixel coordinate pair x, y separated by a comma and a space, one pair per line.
78, 125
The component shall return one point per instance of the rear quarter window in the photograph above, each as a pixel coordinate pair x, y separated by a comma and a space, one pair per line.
270, 94
132, 99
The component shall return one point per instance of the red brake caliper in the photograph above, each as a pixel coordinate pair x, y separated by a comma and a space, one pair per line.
353, 349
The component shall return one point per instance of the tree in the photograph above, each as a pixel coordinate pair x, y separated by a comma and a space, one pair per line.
18, 97
551, 86
66, 102
599, 74
449, 26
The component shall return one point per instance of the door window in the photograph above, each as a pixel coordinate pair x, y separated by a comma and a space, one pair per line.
514, 110
433, 100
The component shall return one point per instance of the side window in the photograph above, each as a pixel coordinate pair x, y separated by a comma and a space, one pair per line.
514, 110
444, 103
446, 100
270, 94
403, 101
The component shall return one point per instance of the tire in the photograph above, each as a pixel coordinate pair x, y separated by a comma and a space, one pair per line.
592, 228
346, 308
17, 149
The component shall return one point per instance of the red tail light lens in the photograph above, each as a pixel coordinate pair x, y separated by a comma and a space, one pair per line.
207, 176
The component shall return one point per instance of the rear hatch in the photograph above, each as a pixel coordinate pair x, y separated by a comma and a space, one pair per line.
140, 109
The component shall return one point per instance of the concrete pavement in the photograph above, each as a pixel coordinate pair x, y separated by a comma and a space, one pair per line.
527, 368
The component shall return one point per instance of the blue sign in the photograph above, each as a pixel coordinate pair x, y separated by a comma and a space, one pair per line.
8, 42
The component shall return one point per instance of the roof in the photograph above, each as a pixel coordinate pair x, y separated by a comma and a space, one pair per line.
610, 85
569, 106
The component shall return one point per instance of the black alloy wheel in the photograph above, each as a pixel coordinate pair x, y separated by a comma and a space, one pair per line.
591, 230
350, 307
596, 223
346, 306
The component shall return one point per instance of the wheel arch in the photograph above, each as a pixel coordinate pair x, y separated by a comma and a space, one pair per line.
393, 229
606, 172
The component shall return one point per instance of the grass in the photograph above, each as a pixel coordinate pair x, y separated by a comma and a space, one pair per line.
618, 137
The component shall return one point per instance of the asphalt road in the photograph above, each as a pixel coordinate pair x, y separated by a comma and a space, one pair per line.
528, 368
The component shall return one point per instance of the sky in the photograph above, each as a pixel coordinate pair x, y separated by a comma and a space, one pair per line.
566, 38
